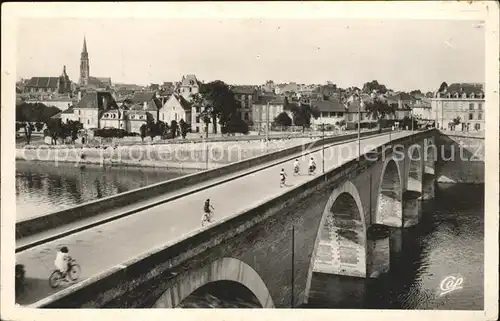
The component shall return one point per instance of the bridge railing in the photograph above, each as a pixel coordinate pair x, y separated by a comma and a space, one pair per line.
110, 289
41, 223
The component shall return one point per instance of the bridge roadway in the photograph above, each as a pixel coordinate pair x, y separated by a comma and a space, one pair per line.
105, 246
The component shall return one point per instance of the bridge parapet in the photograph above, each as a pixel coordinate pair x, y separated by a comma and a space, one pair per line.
262, 238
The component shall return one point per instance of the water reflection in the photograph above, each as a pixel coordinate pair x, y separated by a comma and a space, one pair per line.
42, 187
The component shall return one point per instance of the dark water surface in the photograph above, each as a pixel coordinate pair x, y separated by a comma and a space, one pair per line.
43, 187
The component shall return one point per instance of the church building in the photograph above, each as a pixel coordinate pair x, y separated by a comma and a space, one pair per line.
86, 81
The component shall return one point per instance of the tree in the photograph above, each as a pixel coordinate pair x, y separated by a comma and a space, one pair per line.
39, 126
379, 108
183, 128
174, 128
415, 92
143, 129
151, 128
283, 120
443, 87
28, 129
161, 128
302, 114
27, 112
372, 86
71, 128
55, 129
235, 125
217, 102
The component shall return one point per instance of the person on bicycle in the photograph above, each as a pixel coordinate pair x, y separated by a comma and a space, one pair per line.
207, 208
312, 165
296, 166
62, 261
282, 177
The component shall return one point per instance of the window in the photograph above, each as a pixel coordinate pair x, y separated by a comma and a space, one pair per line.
121, 125
341, 114
480, 116
246, 116
479, 106
175, 116
190, 89
471, 106
477, 126
471, 116
472, 96
197, 119
88, 121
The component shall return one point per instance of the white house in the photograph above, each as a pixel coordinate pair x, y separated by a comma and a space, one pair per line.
176, 108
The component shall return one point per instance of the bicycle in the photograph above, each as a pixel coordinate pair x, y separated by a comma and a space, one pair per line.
207, 218
73, 273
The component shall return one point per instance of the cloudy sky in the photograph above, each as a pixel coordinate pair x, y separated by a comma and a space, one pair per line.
403, 54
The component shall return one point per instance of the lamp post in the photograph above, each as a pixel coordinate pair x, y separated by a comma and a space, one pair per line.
323, 146
359, 126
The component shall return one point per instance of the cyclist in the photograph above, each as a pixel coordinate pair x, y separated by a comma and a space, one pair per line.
296, 166
207, 209
282, 177
312, 165
62, 261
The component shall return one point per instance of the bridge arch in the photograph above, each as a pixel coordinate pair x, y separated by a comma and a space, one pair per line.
223, 269
414, 186
389, 209
342, 225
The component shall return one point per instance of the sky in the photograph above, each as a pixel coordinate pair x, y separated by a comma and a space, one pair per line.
402, 54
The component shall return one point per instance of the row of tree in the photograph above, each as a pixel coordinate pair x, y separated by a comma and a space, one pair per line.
57, 129
163, 130
35, 113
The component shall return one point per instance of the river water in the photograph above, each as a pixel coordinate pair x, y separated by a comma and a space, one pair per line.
43, 187
448, 241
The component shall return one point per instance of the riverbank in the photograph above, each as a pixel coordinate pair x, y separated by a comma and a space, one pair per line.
176, 156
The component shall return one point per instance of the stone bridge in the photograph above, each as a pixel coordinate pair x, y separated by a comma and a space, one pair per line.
339, 223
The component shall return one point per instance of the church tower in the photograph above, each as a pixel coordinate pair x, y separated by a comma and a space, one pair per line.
84, 65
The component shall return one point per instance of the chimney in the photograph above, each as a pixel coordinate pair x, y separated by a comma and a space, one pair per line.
79, 95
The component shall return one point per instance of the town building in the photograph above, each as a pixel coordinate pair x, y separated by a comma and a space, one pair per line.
61, 85
402, 103
459, 106
246, 95
266, 109
176, 108
332, 112
421, 109
189, 86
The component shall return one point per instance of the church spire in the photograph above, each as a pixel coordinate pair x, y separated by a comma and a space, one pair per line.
84, 50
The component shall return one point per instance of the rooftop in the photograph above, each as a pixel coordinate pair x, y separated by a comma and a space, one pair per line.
43, 82
329, 106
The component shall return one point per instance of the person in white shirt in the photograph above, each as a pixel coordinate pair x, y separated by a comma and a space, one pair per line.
296, 166
62, 260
